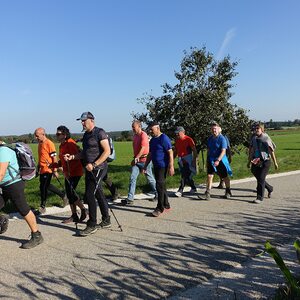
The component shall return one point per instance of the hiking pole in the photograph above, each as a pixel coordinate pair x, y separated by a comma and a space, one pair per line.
97, 185
55, 175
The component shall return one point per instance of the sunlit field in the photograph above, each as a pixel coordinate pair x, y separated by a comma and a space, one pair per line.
287, 152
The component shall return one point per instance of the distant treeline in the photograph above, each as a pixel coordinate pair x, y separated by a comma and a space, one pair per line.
30, 139
277, 125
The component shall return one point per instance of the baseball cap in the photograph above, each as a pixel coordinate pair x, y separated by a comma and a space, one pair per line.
179, 129
153, 123
86, 115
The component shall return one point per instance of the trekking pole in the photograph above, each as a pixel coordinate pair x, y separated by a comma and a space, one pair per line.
97, 185
55, 175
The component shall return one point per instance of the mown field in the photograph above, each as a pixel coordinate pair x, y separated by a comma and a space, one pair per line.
287, 152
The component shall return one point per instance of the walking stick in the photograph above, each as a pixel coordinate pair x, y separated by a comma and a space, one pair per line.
97, 185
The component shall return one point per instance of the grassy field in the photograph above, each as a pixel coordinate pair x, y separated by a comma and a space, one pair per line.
287, 152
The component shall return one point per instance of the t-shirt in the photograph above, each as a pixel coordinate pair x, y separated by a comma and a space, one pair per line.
139, 141
46, 151
215, 146
92, 149
159, 148
184, 146
9, 155
73, 167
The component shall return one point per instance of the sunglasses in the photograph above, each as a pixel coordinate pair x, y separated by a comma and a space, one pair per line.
59, 133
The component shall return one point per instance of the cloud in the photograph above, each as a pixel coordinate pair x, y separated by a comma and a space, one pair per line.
230, 34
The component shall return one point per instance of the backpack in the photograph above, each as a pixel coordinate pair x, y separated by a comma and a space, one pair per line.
112, 155
26, 162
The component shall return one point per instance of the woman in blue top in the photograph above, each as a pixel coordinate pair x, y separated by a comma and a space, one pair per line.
13, 188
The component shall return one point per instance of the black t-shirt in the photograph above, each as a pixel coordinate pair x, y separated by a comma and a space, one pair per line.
92, 149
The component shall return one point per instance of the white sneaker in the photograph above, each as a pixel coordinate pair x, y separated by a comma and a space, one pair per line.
193, 191
257, 201
178, 194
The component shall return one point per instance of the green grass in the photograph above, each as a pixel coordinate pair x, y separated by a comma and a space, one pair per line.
287, 153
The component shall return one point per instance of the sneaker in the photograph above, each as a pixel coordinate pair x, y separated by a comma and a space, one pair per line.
270, 194
152, 196
83, 215
127, 201
74, 218
36, 239
156, 212
257, 201
3, 223
105, 223
88, 230
65, 201
205, 197
228, 194
193, 191
40, 211
178, 193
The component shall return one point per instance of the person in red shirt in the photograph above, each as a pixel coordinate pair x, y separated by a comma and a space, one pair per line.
72, 170
140, 146
186, 151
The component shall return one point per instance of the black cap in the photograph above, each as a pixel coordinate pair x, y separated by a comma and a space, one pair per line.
153, 123
86, 115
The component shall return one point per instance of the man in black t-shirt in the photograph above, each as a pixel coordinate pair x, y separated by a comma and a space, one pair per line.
95, 150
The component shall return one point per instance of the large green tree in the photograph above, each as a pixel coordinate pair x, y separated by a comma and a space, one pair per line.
200, 96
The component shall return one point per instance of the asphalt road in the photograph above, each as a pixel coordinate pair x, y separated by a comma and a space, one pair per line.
176, 255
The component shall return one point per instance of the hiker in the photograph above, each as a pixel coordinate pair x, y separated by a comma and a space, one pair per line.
46, 159
72, 171
261, 150
12, 187
94, 154
217, 161
140, 146
228, 154
186, 151
161, 155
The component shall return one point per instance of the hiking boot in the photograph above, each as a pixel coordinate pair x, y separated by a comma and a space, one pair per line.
156, 212
127, 201
3, 223
74, 218
36, 239
105, 223
228, 194
83, 215
166, 209
88, 230
205, 197
178, 193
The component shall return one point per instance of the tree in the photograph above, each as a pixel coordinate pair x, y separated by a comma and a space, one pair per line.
201, 96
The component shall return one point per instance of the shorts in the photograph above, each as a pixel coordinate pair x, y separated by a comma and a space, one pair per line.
221, 169
15, 192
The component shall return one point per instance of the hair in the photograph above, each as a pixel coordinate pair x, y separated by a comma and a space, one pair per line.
64, 130
261, 125
137, 122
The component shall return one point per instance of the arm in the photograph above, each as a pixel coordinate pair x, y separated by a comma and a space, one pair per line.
137, 157
147, 162
105, 154
250, 155
194, 150
273, 158
3, 168
171, 162
223, 152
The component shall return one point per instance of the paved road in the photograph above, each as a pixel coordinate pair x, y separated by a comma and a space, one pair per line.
197, 242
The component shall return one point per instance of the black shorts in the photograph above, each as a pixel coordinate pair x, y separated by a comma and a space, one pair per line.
15, 192
221, 169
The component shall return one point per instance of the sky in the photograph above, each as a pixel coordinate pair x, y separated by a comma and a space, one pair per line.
59, 58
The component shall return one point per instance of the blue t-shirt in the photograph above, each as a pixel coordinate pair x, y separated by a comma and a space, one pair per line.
215, 146
159, 148
9, 155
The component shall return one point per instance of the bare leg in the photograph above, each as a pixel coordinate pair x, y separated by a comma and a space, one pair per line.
31, 221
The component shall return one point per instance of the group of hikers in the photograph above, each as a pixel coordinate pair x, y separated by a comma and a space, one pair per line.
152, 157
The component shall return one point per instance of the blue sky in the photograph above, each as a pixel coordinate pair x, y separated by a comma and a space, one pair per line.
60, 58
